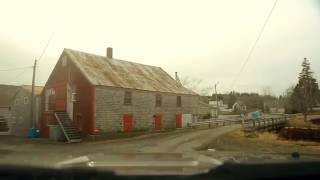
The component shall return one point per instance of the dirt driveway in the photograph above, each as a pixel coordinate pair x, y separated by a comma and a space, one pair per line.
43, 152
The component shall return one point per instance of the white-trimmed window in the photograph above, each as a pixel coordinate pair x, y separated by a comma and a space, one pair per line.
127, 98
25, 100
16, 102
49, 99
158, 100
64, 61
179, 103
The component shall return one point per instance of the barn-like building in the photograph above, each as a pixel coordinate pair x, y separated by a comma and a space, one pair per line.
95, 94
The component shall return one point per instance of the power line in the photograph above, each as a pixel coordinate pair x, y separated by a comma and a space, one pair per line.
17, 77
32, 125
41, 55
46, 46
254, 44
17, 68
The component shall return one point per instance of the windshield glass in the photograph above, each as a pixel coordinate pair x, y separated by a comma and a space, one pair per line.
161, 87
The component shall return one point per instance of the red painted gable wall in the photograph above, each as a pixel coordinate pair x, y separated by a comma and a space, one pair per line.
84, 105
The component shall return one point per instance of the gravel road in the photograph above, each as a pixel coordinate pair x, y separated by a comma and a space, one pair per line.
43, 152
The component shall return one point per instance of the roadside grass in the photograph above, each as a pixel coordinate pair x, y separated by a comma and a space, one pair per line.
315, 113
300, 123
264, 142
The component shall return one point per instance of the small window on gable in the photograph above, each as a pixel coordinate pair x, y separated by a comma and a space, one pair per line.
64, 61
179, 103
158, 100
25, 100
16, 102
127, 98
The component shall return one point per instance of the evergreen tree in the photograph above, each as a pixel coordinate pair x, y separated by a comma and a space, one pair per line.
306, 92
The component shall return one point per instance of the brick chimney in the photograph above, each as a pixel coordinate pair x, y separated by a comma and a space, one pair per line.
177, 79
109, 52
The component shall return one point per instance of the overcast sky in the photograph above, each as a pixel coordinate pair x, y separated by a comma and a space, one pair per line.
206, 40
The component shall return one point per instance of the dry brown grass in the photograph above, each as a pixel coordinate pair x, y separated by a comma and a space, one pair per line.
315, 113
299, 122
264, 142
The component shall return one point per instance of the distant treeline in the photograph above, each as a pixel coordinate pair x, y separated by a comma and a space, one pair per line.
252, 101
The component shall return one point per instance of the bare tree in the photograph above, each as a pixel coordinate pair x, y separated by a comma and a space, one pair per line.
195, 85
267, 91
205, 91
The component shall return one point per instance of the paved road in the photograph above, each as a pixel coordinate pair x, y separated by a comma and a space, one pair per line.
42, 152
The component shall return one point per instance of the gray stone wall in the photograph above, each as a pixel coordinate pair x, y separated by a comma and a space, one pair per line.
110, 108
20, 113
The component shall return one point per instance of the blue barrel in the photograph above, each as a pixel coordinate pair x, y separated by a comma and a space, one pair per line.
33, 133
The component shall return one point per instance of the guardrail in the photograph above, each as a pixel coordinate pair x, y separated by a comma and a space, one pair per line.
214, 123
273, 123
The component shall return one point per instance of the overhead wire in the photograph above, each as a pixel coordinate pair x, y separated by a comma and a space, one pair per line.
46, 46
41, 55
16, 68
18, 76
28, 67
254, 44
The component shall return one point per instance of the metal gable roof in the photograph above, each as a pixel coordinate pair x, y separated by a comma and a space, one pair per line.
100, 70
37, 89
7, 94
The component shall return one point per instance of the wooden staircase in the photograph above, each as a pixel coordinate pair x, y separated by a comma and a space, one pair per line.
70, 131
3, 125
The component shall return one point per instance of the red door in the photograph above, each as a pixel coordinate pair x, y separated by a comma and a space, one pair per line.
47, 118
158, 122
127, 123
60, 98
179, 121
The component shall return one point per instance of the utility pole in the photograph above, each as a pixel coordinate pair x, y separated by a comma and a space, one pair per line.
215, 90
32, 125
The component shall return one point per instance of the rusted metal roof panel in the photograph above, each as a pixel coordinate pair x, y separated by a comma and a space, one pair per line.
7, 94
37, 89
100, 70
